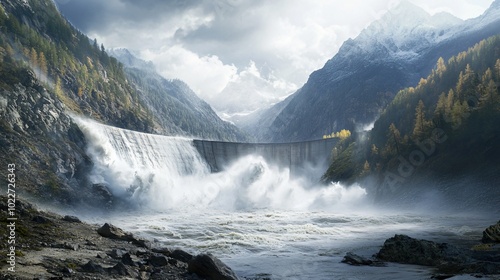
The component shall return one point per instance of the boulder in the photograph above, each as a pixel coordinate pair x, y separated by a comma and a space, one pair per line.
112, 232
209, 267
71, 219
492, 234
41, 220
157, 261
407, 250
353, 259
92, 268
181, 255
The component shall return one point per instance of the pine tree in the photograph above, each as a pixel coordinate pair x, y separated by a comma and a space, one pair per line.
420, 121
440, 67
394, 139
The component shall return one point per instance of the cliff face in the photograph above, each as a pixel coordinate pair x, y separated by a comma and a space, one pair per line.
37, 136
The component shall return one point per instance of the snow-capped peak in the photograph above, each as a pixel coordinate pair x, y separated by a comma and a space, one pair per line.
404, 31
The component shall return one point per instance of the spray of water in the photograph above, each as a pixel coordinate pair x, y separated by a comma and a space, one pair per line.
168, 173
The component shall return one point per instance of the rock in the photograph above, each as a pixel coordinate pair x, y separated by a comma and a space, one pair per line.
442, 276
142, 243
41, 220
164, 251
492, 234
353, 259
127, 259
117, 253
157, 261
71, 219
110, 231
181, 255
92, 268
67, 270
407, 250
102, 195
121, 269
210, 267
71, 246
139, 251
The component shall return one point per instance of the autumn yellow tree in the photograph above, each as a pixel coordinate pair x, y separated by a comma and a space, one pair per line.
421, 124
42, 61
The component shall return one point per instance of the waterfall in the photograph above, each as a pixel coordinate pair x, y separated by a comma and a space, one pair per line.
163, 172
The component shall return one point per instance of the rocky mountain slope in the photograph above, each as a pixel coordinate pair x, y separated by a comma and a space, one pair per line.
440, 136
50, 71
392, 53
180, 110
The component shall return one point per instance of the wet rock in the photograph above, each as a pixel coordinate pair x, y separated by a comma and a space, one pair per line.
157, 261
141, 243
210, 267
181, 255
492, 234
71, 219
112, 232
102, 194
163, 251
407, 250
353, 259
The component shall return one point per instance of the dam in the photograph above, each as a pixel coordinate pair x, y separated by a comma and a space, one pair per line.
164, 172
296, 156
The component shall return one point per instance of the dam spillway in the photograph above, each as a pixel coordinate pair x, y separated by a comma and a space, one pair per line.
119, 149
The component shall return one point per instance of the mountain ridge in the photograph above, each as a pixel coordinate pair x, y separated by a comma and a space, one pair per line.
354, 86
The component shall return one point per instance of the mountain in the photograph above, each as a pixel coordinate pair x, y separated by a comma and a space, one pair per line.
441, 135
49, 71
358, 82
180, 111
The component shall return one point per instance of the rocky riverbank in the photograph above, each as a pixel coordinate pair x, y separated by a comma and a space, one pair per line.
49, 246
448, 259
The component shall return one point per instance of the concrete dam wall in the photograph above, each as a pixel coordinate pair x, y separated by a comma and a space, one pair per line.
298, 157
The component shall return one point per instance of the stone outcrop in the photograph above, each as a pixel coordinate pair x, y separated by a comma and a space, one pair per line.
36, 134
492, 234
210, 267
446, 258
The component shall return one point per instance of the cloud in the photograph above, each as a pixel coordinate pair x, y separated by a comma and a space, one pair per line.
206, 75
249, 91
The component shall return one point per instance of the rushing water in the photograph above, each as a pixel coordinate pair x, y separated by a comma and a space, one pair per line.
252, 215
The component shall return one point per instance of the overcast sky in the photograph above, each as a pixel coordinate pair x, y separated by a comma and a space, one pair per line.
227, 44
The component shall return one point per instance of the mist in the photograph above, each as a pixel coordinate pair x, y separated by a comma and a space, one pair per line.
167, 173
